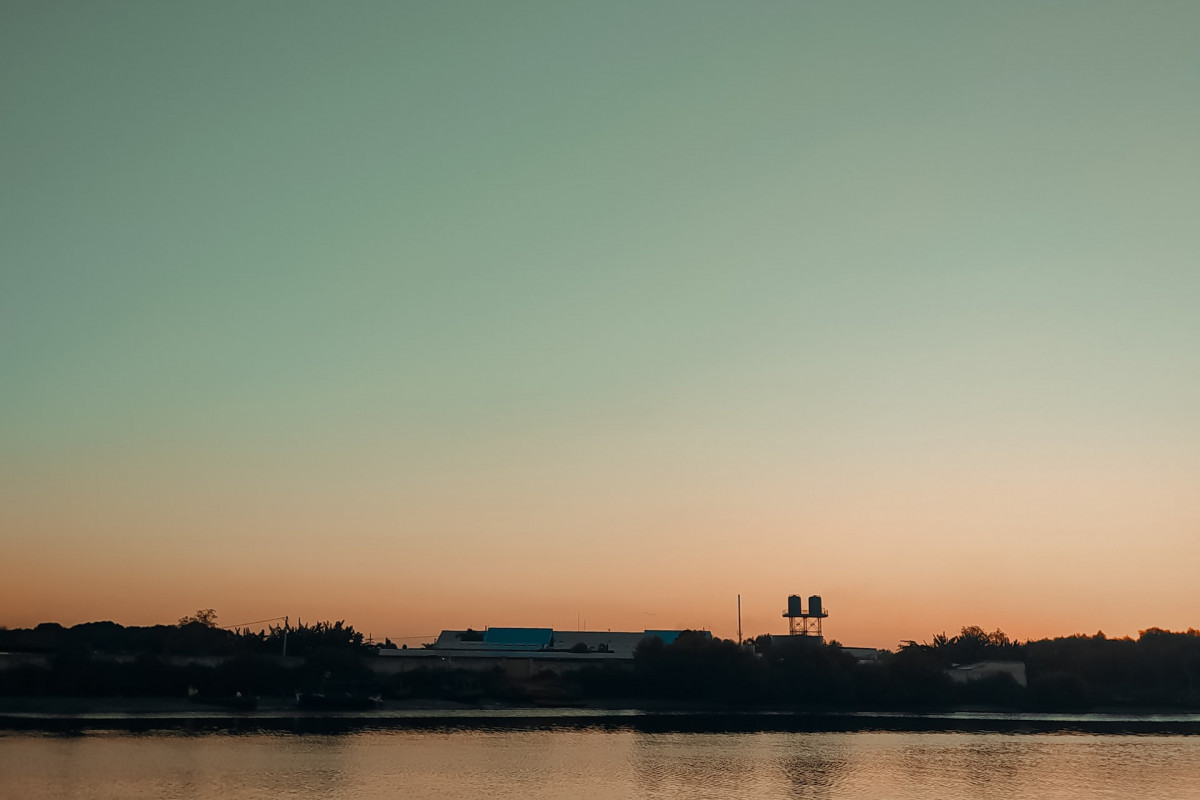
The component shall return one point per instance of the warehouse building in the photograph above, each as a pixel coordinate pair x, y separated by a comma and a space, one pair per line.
523, 651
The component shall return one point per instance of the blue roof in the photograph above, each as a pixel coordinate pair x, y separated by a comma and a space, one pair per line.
669, 637
536, 637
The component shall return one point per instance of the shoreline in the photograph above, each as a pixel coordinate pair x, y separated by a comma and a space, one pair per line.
83, 715
68, 705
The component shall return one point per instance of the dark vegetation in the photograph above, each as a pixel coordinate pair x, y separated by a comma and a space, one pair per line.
1158, 670
104, 659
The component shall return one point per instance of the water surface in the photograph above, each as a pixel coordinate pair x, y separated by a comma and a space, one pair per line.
596, 762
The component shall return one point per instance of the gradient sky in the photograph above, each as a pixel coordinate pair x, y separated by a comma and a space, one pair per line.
431, 315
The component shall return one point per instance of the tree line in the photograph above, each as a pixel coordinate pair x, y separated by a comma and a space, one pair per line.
1159, 669
193, 635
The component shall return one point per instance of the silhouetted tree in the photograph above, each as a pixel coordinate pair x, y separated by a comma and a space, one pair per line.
204, 616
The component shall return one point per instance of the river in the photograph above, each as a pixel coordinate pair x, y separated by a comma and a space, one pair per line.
569, 756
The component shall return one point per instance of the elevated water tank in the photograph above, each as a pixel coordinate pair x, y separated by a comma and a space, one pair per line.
795, 605
814, 605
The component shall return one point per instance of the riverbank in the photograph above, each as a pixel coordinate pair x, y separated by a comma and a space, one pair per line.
84, 715
134, 706
68, 706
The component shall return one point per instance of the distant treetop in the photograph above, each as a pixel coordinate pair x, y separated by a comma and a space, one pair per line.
205, 616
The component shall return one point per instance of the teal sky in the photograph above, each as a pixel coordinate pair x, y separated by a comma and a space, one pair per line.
474, 300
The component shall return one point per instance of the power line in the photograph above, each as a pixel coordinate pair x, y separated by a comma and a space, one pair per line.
255, 622
421, 636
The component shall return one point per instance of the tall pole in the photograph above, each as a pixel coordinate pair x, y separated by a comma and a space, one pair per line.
739, 619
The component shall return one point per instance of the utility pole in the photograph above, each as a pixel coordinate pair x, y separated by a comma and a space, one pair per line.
285, 632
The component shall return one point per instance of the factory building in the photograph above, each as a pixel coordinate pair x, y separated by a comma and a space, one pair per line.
522, 652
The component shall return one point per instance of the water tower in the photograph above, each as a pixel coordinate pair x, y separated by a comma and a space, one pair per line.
805, 623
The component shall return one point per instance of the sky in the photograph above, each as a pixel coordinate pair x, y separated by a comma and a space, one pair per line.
560, 314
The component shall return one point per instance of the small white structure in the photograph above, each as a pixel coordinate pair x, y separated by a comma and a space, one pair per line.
966, 673
863, 655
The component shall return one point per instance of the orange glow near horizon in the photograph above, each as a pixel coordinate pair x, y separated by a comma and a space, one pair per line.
892, 565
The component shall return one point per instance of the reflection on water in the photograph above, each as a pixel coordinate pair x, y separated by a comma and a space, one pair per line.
600, 763
814, 768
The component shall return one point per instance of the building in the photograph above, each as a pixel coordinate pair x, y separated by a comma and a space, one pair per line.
522, 652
